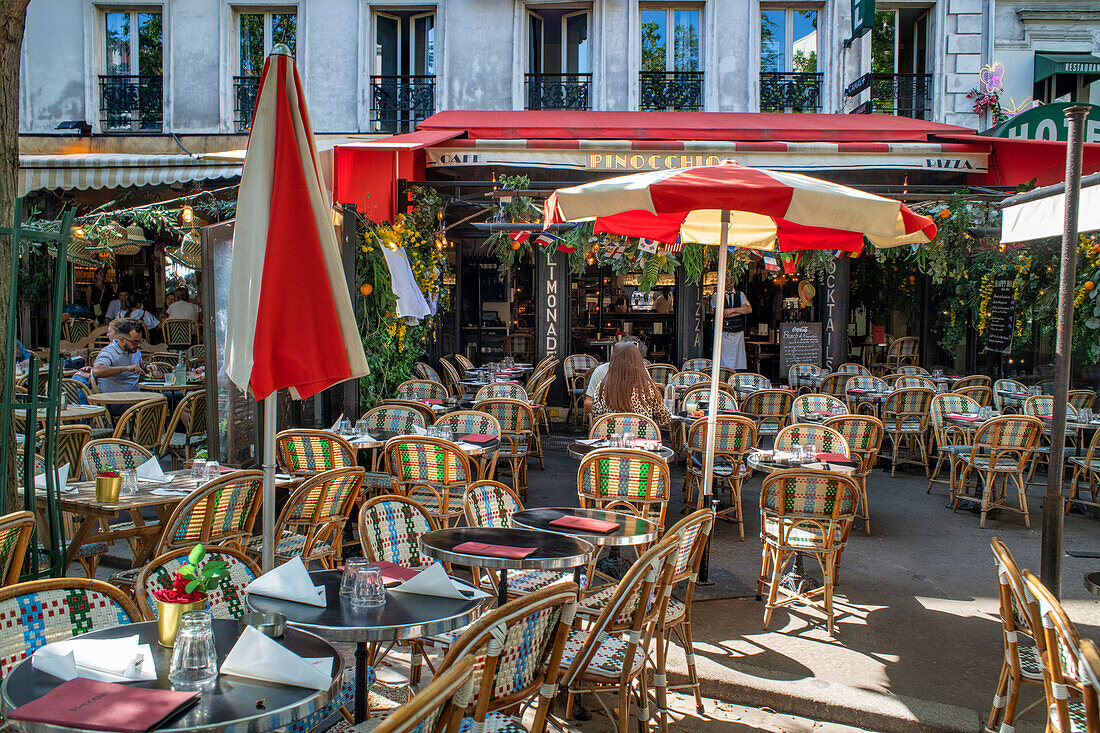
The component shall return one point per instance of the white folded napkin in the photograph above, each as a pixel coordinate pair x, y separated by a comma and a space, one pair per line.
590, 441
62, 479
337, 423
151, 471
108, 660
434, 581
834, 467
262, 658
783, 455
289, 582
417, 430
166, 491
364, 438
466, 447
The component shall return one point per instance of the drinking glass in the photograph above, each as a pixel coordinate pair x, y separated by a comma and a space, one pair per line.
937, 373
796, 449
361, 427
811, 451
347, 580
213, 470
129, 481
615, 440
194, 660
368, 590
446, 432
198, 471
670, 405
628, 440
1085, 415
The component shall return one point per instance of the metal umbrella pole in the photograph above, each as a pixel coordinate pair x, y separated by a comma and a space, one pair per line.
1050, 563
268, 499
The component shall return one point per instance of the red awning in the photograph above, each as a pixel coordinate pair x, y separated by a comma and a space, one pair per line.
1014, 161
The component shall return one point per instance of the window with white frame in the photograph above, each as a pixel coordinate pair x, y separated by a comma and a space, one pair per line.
131, 86
559, 73
257, 32
402, 81
789, 76
671, 69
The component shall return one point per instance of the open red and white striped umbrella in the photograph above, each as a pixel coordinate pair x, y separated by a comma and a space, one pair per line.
290, 323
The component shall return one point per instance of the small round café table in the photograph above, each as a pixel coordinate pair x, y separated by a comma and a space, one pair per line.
404, 616
230, 705
553, 551
76, 413
579, 450
118, 398
1092, 583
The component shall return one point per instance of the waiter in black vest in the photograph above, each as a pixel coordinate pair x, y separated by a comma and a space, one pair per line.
733, 325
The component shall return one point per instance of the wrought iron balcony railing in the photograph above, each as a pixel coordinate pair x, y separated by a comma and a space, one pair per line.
399, 102
672, 90
904, 95
796, 91
131, 103
559, 91
245, 89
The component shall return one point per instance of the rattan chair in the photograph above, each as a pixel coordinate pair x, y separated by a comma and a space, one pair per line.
909, 381
77, 329
421, 389
863, 434
1082, 399
423, 371
432, 472
519, 438
179, 333
390, 528
971, 380
97, 455
698, 364
853, 368
540, 398
303, 452
951, 440
816, 404
627, 479
836, 383
462, 363
686, 378
502, 390
143, 423
472, 421
1009, 396
519, 346
1085, 467
225, 601
426, 412
1043, 406
186, 429
734, 437
661, 373
802, 377
856, 387
395, 419
220, 512
904, 350
15, 537
621, 423
435, 709
744, 383
913, 370
576, 368
982, 395
905, 417
452, 379
807, 513
825, 438
71, 440
700, 392
999, 455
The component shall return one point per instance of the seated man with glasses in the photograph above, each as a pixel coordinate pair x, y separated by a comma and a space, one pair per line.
119, 366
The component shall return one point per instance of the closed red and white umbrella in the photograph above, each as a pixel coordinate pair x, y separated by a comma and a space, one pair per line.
290, 323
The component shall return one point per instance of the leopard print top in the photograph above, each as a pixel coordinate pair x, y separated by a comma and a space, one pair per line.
651, 407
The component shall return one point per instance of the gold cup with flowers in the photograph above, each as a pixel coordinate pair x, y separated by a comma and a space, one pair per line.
108, 485
190, 587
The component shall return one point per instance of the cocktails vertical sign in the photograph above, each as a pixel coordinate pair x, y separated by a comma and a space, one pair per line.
836, 312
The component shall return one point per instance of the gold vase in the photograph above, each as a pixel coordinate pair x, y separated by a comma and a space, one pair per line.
107, 489
168, 619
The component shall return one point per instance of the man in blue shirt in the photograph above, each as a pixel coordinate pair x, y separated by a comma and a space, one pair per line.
119, 366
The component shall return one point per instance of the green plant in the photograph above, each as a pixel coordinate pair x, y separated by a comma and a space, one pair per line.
192, 581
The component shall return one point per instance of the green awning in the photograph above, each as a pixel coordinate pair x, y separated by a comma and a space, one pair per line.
1049, 64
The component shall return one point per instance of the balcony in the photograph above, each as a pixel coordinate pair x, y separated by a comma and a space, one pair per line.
681, 91
245, 89
904, 95
790, 91
131, 103
399, 102
559, 91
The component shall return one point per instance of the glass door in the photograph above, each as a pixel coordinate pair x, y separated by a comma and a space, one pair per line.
423, 44
574, 49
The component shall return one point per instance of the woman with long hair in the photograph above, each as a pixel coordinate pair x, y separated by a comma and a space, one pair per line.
629, 388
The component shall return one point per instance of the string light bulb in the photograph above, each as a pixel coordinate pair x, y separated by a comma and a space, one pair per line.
78, 232
187, 215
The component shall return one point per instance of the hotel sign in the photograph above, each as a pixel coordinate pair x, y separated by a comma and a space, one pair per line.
1047, 122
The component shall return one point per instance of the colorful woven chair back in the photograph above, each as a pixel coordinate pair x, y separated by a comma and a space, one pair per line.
827, 440
866, 383
862, 433
143, 423
309, 451
746, 381
514, 416
513, 647
219, 512
418, 459
974, 380
1018, 608
578, 363
225, 601
697, 393
442, 699
622, 477
1014, 400
911, 380
423, 371
853, 368
41, 612
421, 389
624, 422
815, 506
394, 419
15, 536
699, 364
661, 373
462, 362
390, 528
902, 350
77, 329
687, 378
519, 344
734, 436
816, 403
950, 402
772, 406
506, 390
470, 421
797, 374
71, 440
119, 454
913, 370
324, 497
692, 532
982, 395
452, 377
836, 384
489, 504
906, 408
1008, 439
39, 466
426, 412
1038, 406
1082, 399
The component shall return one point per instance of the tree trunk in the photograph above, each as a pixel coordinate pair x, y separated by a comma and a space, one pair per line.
13, 15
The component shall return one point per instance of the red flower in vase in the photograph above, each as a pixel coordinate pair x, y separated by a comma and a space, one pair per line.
178, 592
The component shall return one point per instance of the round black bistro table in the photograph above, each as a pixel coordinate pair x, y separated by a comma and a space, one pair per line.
553, 551
632, 530
230, 705
579, 450
404, 616
1092, 583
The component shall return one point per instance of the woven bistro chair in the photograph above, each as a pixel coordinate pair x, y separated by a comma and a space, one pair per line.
451, 379
186, 429
577, 368
951, 440
771, 407
519, 345
97, 455
1089, 664
686, 378
913, 370
519, 437
808, 513
179, 333
71, 440
421, 389
853, 368
700, 392
165, 362
225, 601
390, 528
698, 364
998, 455
661, 373
972, 380
388, 418
1071, 701
423, 371
624, 422
1085, 467
1021, 632
312, 521
472, 421
143, 423
904, 350
860, 384
1043, 406
827, 440
434, 709
220, 512
905, 381
77, 329
836, 384
303, 452
798, 374
725, 374
1082, 399
1009, 396
734, 437
15, 537
816, 404
462, 363
426, 412
745, 382
982, 395
905, 416
863, 434
540, 398
618, 479
502, 390
432, 472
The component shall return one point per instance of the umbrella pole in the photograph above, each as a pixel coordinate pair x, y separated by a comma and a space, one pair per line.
268, 502
1050, 562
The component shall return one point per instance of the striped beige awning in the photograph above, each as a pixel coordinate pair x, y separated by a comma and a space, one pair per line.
117, 170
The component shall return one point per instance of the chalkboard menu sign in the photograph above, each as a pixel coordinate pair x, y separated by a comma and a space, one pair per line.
799, 343
1002, 317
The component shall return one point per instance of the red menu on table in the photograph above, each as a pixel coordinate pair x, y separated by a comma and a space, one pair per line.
585, 524
484, 548
393, 574
478, 438
95, 705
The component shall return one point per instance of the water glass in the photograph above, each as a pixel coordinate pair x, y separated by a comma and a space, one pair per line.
368, 590
628, 440
129, 481
796, 449
198, 471
213, 470
1084, 414
446, 432
361, 427
615, 440
937, 373
811, 451
347, 580
194, 660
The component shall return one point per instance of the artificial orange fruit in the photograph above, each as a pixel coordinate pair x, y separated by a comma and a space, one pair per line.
366, 289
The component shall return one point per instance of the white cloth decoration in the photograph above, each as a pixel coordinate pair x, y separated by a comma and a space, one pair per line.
289, 582
261, 658
410, 299
434, 581
108, 660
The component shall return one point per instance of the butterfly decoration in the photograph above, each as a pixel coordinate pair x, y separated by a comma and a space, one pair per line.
992, 77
